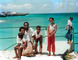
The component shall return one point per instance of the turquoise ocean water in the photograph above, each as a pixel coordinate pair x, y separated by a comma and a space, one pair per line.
34, 20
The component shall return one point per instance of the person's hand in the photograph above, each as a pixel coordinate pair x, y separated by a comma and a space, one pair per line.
49, 36
18, 44
33, 45
23, 42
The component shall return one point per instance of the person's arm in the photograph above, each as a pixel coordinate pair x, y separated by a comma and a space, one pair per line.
54, 30
33, 38
32, 31
28, 38
41, 34
69, 25
48, 30
18, 42
24, 41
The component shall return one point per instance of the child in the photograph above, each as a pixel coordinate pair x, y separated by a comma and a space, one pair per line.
51, 36
19, 45
37, 36
22, 38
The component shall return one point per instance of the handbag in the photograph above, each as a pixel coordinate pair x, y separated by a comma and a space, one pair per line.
67, 27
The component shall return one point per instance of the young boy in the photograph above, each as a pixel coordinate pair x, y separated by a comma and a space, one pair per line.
37, 36
22, 38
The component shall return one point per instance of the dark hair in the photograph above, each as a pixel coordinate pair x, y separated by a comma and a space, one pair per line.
20, 35
38, 27
21, 28
71, 17
51, 18
27, 23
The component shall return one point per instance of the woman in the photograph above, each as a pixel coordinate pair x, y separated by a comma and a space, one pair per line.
69, 33
51, 36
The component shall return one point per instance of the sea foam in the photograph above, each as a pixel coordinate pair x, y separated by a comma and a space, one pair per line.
1, 21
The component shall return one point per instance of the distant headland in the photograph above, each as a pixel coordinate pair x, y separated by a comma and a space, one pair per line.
5, 14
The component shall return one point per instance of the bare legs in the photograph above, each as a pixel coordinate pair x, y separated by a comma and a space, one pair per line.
69, 42
15, 49
49, 53
20, 52
18, 55
36, 47
40, 45
36, 43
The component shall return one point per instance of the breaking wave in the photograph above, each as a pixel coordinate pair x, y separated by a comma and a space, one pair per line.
1, 21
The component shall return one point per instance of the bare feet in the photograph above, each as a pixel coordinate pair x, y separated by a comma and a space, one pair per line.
36, 53
18, 59
40, 53
53, 54
15, 57
49, 54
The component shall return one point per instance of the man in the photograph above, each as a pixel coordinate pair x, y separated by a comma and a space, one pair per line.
51, 36
21, 42
37, 36
69, 33
28, 30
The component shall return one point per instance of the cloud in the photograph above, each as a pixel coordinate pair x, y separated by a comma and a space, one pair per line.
45, 5
77, 4
15, 6
40, 6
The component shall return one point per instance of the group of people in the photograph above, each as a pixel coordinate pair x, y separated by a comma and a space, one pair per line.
25, 45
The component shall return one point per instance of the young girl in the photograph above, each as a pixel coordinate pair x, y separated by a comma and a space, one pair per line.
51, 36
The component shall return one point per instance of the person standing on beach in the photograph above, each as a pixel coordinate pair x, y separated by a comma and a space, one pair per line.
69, 33
28, 30
51, 36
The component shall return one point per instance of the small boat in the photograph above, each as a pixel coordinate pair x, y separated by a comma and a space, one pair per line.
2, 15
5, 14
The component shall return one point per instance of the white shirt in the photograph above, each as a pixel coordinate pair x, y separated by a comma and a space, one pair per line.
37, 35
52, 26
30, 31
25, 38
69, 23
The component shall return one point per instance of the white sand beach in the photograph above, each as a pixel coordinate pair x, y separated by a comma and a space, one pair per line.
61, 47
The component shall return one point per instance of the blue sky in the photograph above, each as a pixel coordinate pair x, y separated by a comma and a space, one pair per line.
39, 6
